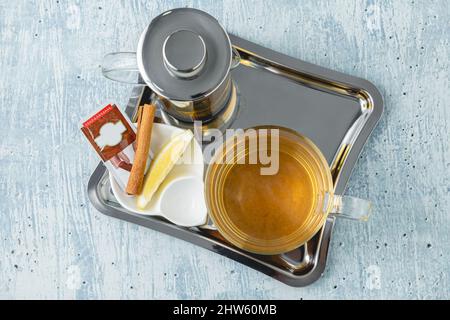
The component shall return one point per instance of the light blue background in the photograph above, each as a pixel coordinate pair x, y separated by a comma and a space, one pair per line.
54, 244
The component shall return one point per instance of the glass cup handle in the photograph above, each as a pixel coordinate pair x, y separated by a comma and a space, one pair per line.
351, 208
122, 67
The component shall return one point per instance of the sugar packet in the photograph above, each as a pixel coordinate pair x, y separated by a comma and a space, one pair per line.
112, 135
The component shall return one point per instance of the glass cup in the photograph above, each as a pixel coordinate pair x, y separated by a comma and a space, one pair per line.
271, 213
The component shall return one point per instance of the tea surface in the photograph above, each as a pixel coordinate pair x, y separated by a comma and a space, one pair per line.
269, 207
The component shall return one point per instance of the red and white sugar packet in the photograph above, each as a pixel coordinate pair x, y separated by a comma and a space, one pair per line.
112, 135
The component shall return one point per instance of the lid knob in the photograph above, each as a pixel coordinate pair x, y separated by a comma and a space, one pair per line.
184, 54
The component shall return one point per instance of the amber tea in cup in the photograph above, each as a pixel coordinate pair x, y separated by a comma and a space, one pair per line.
272, 212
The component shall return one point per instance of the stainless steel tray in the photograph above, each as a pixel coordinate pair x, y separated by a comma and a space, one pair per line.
337, 111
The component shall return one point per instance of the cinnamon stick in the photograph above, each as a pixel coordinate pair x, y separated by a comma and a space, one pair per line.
144, 132
138, 122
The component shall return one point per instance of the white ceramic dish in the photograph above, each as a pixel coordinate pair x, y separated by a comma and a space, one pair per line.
186, 174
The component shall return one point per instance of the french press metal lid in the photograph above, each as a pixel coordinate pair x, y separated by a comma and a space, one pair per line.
184, 54
185, 57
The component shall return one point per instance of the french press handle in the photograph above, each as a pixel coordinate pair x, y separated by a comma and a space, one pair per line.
122, 66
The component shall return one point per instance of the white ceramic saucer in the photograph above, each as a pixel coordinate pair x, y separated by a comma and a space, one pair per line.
190, 166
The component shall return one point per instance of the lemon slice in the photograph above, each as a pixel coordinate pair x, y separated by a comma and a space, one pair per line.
161, 166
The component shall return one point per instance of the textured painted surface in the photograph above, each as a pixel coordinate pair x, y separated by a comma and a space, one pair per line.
54, 244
